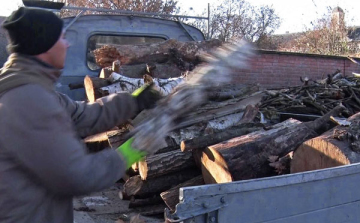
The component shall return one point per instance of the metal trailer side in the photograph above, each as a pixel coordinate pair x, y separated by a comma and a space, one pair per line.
329, 195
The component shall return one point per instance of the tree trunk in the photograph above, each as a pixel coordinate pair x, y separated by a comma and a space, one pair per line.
154, 53
204, 114
164, 163
92, 84
171, 196
146, 188
123, 83
246, 157
335, 147
211, 139
215, 110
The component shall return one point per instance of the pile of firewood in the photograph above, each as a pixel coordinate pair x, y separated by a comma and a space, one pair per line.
313, 97
236, 135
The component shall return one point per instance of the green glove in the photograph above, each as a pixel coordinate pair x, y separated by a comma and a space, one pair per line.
146, 96
130, 154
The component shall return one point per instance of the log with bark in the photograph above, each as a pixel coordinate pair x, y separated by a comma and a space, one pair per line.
122, 83
139, 188
211, 139
209, 112
246, 157
154, 53
336, 147
92, 86
165, 163
171, 196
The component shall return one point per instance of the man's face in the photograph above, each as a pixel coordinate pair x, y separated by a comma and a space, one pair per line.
56, 55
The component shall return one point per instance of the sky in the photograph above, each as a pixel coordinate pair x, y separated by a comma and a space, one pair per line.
295, 14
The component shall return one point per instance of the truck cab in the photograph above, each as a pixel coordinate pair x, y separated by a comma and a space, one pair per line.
90, 32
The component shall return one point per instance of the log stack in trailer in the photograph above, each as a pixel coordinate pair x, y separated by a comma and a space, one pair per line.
239, 133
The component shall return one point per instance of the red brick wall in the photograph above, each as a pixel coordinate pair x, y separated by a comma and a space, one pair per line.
272, 69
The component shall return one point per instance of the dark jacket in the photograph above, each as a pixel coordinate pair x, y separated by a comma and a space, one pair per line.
43, 161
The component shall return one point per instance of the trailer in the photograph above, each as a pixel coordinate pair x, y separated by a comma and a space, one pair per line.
329, 195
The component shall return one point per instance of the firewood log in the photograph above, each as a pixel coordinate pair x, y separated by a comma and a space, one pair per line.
105, 72
139, 188
171, 196
92, 84
165, 163
153, 53
208, 112
123, 83
249, 114
336, 147
246, 157
97, 142
211, 139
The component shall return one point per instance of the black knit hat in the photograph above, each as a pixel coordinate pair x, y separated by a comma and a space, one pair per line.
32, 31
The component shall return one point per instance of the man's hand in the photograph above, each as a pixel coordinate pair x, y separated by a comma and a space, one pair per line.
130, 154
146, 96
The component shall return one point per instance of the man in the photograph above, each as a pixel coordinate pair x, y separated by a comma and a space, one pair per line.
43, 162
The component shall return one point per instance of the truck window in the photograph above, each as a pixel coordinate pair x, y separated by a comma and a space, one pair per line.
97, 41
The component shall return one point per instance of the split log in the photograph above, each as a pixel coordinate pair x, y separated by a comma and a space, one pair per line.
97, 142
145, 202
171, 196
153, 53
105, 72
165, 163
116, 66
211, 139
249, 114
246, 157
139, 188
92, 84
336, 147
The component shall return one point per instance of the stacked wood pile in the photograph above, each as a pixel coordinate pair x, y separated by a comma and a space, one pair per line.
238, 134
314, 97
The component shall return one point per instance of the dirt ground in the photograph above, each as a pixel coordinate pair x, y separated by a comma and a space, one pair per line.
107, 207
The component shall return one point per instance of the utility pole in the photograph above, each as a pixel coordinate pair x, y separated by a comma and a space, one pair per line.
208, 32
